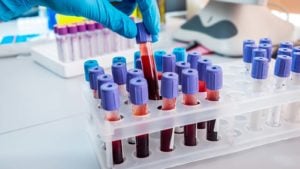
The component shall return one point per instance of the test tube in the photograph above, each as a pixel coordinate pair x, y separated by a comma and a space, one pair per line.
247, 57
94, 73
158, 61
296, 49
259, 74
119, 72
138, 64
92, 38
119, 59
108, 45
259, 52
180, 66
83, 40
190, 90
169, 92
102, 79
214, 83
265, 40
88, 65
268, 48
284, 51
63, 42
193, 58
137, 55
180, 54
282, 73
286, 44
168, 63
75, 45
139, 98
110, 102
99, 40
203, 64
144, 39
247, 42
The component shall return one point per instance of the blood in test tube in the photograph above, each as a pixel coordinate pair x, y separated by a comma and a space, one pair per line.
102, 79
265, 40
75, 46
133, 73
247, 56
158, 61
92, 38
83, 40
139, 99
268, 48
168, 63
202, 66
119, 72
285, 51
119, 59
138, 64
136, 56
296, 49
88, 65
110, 102
94, 73
214, 81
180, 54
190, 90
169, 92
193, 58
286, 44
144, 39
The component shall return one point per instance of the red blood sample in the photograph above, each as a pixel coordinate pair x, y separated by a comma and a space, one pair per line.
190, 99
191, 129
201, 125
202, 86
159, 75
211, 135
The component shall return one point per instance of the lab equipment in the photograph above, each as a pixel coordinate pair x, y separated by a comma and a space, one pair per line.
119, 72
75, 44
83, 40
265, 40
286, 44
93, 74
259, 52
247, 56
102, 79
180, 66
119, 59
137, 55
268, 48
63, 42
284, 51
192, 58
88, 65
168, 63
91, 38
202, 66
158, 59
138, 64
180, 54
99, 38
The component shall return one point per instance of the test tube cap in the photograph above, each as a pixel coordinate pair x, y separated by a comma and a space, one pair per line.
137, 55
214, 78
102, 79
133, 73
260, 67
247, 52
158, 59
180, 54
265, 40
90, 25
62, 30
110, 98
168, 63
283, 66
247, 42
169, 85
296, 62
285, 51
87, 65
203, 64
81, 27
138, 91
94, 73
138, 64
193, 58
286, 44
268, 48
119, 72
72, 29
259, 52
180, 66
296, 49
189, 81
98, 25
119, 59
143, 35
55, 27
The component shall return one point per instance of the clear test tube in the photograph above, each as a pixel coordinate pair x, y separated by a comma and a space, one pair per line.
259, 74
108, 40
100, 39
158, 61
92, 38
214, 83
75, 45
193, 58
83, 41
247, 57
268, 48
102, 79
168, 63
119, 72
282, 73
64, 45
286, 44
190, 91
139, 99
94, 73
110, 102
88, 65
169, 93
180, 54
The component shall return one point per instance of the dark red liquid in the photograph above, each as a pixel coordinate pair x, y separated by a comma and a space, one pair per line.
202, 86
149, 69
142, 146
211, 135
190, 130
201, 125
117, 152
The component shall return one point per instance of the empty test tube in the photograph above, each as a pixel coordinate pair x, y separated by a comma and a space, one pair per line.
169, 93
139, 99
158, 61
286, 44
214, 83
247, 57
92, 38
119, 59
63, 42
99, 38
83, 40
193, 58
75, 45
110, 102
94, 73
203, 64
190, 90
285, 51
88, 65
107, 38
168, 63
119, 72
268, 48
102, 79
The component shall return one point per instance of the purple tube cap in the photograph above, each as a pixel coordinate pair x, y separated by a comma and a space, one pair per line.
110, 100
286, 44
138, 91
189, 81
296, 62
133, 73
265, 40
296, 49
285, 51
62, 30
283, 66
98, 25
90, 25
259, 52
104, 78
119, 72
192, 58
138, 64
248, 41
143, 35
202, 66
168, 63
81, 27
72, 29
214, 77
260, 67
94, 73
247, 52
169, 85
180, 66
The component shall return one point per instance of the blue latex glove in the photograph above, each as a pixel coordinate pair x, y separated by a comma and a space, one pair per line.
112, 15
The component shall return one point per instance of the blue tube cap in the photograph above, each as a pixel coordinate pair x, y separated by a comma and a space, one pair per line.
248, 42
259, 53
283, 66
138, 91
286, 44
214, 78
133, 73
138, 64
94, 73
193, 58
296, 49
265, 40
158, 59
190, 81
169, 85
203, 64
168, 63
285, 51
260, 67
87, 65
180, 54
119, 72
268, 48
180, 66
102, 79
247, 52
110, 100
137, 55
143, 35
119, 59
296, 62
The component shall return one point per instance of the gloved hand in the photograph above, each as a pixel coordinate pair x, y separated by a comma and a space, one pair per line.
112, 15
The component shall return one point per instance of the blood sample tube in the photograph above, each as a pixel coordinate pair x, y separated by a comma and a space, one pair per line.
296, 49
92, 38
214, 82
190, 90
247, 42
180, 66
268, 48
193, 58
168, 63
139, 98
180, 54
132, 73
63, 45
258, 52
284, 51
265, 40
138, 64
83, 40
75, 49
137, 55
102, 79
119, 59
119, 72
99, 40
110, 102
88, 65
158, 61
286, 44
247, 57
94, 73
282, 73
202, 66
169, 92
144, 39
259, 75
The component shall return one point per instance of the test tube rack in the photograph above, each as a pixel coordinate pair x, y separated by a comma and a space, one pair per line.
233, 110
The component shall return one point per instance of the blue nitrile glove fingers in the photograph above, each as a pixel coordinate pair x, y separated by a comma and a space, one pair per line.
13, 8
151, 17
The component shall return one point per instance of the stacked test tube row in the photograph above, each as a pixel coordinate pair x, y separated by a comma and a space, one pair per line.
86, 40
